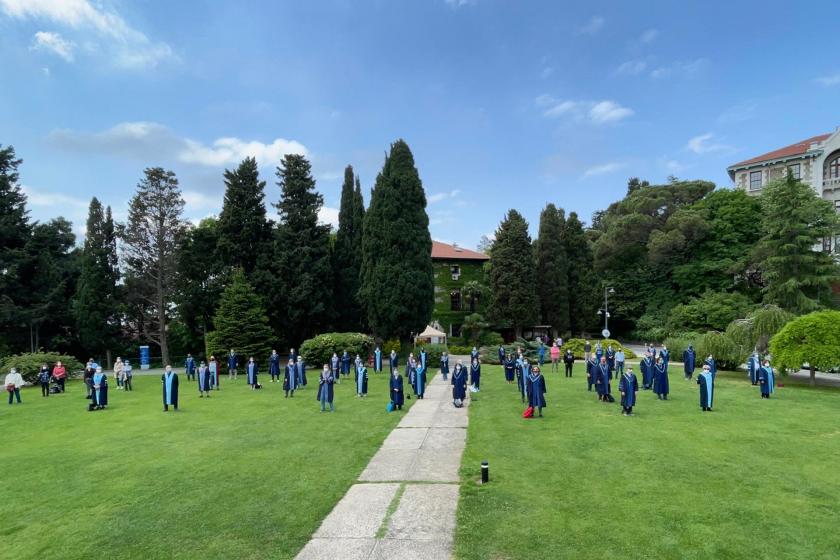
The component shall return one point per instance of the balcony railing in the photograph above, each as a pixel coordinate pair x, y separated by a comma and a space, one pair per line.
831, 183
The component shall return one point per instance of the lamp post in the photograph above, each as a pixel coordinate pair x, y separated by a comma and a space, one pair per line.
605, 311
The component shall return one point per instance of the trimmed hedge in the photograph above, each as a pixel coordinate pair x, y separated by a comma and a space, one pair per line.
28, 365
318, 351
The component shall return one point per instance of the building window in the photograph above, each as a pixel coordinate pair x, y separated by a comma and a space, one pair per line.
837, 206
755, 180
827, 244
794, 170
455, 300
455, 271
834, 168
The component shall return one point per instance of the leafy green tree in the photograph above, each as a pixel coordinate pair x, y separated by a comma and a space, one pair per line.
305, 272
151, 238
348, 255
579, 274
513, 300
473, 327
15, 231
397, 279
244, 233
552, 269
711, 311
473, 291
754, 331
241, 322
794, 221
812, 339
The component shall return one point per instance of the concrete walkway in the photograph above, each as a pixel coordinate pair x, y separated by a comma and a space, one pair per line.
403, 505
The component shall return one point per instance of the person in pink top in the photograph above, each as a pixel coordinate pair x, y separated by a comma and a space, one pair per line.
60, 375
555, 358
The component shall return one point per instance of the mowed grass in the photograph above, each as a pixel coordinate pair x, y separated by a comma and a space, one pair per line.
752, 479
243, 474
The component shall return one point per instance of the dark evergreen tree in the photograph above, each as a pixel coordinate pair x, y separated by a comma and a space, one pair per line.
347, 255
580, 277
397, 280
513, 278
552, 270
95, 305
306, 285
244, 232
15, 231
241, 322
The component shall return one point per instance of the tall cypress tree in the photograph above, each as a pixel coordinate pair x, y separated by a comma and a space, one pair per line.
243, 230
95, 306
513, 299
397, 286
347, 255
550, 255
306, 285
15, 231
579, 259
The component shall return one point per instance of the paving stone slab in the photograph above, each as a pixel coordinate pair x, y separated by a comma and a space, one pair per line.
426, 512
436, 465
389, 549
337, 549
359, 513
389, 464
450, 420
405, 438
445, 438
418, 420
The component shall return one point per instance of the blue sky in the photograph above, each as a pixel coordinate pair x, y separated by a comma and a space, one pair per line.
505, 104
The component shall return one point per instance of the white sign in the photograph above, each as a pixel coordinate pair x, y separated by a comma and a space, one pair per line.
605, 333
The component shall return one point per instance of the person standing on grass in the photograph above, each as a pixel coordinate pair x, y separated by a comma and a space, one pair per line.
345, 364
361, 380
60, 375
473, 354
502, 353
127, 376
652, 349
536, 390
423, 356
44, 380
510, 369
411, 369
204, 385
628, 386
118, 367
766, 380
325, 389
475, 374
710, 361
377, 360
665, 355
587, 350
569, 361
706, 380
646, 365
660, 379
599, 352
274, 366
232, 363
610, 355
396, 387
335, 364
753, 365
213, 368
591, 371
459, 384
189, 367
444, 365
100, 389
13, 383
251, 372
602, 379
555, 358
619, 363
392, 360
88, 377
689, 361
290, 379
169, 381
301, 371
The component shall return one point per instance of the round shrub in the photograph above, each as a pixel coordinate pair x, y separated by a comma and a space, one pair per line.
28, 365
318, 351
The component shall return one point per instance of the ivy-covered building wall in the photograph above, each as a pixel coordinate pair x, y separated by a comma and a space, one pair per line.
454, 268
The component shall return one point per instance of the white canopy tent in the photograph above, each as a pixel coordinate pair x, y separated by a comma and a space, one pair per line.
430, 336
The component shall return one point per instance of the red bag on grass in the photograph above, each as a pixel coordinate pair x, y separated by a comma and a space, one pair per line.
529, 412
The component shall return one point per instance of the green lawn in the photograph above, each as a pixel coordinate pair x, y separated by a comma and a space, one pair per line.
753, 479
244, 474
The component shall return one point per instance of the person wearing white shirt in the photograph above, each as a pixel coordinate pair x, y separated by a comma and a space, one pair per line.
13, 383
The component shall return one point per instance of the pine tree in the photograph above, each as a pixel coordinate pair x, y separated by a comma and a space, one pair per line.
241, 322
243, 229
95, 305
794, 221
550, 256
580, 277
513, 278
347, 255
151, 238
397, 280
306, 285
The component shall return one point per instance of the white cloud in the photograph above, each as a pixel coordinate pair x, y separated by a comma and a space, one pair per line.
609, 111
832, 80
649, 35
593, 26
54, 43
705, 144
438, 197
198, 200
46, 199
597, 112
680, 69
328, 215
602, 169
459, 3
126, 47
631, 68
151, 140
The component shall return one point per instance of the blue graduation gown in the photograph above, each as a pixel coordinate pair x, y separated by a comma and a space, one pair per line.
473, 355
290, 378
523, 370
213, 368
689, 362
444, 365
591, 367
377, 360
325, 387
392, 361
707, 389
753, 367
502, 354
301, 372
602, 379
232, 361
396, 385
712, 366
646, 366
189, 365
252, 373
509, 370
100, 396
767, 380
459, 383
345, 364
361, 381
660, 379
170, 389
475, 375
420, 381
334, 365
665, 355
598, 353
611, 359
423, 359
203, 378
628, 385
274, 365
536, 391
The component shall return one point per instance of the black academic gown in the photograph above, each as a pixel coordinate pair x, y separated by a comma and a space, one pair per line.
459, 384
173, 390
397, 393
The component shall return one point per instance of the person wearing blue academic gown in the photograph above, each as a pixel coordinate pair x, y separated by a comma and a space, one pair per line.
706, 380
753, 365
473, 354
766, 380
361, 381
252, 371
646, 366
423, 358
444, 365
660, 379
599, 352
203, 379
536, 390
519, 369
100, 389
293, 356
591, 367
541, 353
611, 359
628, 386
710, 361
652, 349
325, 389
411, 369
475, 374
169, 381
396, 386
502, 353
392, 360
665, 355
232, 361
377, 360
290, 379
213, 367
459, 383
345, 364
420, 381
189, 367
602, 379
510, 369
301, 371
689, 361
274, 366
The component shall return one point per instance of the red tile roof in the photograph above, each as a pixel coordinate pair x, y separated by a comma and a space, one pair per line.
788, 151
446, 251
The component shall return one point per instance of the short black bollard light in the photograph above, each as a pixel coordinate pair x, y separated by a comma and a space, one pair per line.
485, 472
